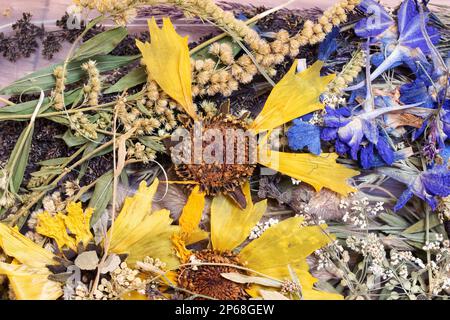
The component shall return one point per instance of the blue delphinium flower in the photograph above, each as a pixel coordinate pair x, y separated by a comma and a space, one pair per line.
377, 23
428, 185
355, 131
404, 43
303, 134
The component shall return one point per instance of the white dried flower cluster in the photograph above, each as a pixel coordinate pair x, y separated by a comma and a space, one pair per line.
7, 200
399, 257
317, 118
333, 100
433, 245
289, 286
370, 247
53, 203
150, 265
123, 280
259, 229
195, 262
358, 211
329, 253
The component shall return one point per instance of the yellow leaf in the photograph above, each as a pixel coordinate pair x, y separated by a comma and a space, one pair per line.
168, 63
191, 215
318, 171
55, 228
14, 244
78, 222
286, 243
231, 225
139, 233
30, 283
294, 96
134, 211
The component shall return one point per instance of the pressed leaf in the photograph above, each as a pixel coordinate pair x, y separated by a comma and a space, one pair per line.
241, 278
72, 140
293, 96
394, 220
420, 226
27, 108
318, 171
44, 172
168, 63
44, 79
130, 80
101, 44
54, 161
152, 142
101, 196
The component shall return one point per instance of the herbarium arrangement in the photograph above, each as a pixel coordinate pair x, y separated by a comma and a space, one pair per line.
341, 188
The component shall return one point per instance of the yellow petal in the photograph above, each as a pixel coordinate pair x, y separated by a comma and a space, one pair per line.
14, 244
231, 225
139, 233
30, 283
78, 222
309, 294
320, 295
134, 211
151, 238
55, 228
318, 171
168, 63
283, 244
295, 95
191, 215
180, 247
134, 295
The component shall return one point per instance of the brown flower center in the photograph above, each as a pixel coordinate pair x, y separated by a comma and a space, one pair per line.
222, 157
207, 280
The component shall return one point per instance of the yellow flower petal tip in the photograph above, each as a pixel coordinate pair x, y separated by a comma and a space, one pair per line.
139, 232
77, 222
231, 225
168, 63
295, 95
16, 245
318, 171
55, 228
192, 213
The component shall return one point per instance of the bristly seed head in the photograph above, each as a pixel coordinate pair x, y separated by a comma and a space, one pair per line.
208, 281
229, 173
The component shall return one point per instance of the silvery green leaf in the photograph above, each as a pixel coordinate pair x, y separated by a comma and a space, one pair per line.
87, 260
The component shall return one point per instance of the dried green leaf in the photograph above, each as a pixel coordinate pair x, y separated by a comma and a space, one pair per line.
101, 44
44, 172
44, 79
21, 151
130, 80
27, 108
420, 226
394, 220
72, 140
102, 195
54, 161
153, 143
